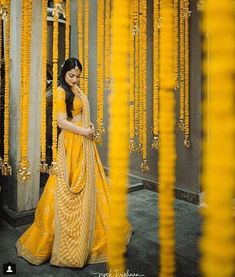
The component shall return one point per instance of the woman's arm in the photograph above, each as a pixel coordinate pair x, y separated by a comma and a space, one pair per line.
62, 120
64, 124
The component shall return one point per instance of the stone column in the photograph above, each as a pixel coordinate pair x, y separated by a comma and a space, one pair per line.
23, 198
73, 30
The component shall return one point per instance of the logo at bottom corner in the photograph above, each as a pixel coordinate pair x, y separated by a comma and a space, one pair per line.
9, 268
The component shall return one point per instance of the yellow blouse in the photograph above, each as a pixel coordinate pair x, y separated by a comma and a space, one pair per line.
61, 105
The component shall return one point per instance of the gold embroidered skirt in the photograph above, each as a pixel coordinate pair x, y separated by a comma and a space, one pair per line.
71, 219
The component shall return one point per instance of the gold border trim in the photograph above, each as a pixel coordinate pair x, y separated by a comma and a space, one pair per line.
23, 252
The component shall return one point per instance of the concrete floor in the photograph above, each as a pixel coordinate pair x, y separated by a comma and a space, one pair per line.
142, 256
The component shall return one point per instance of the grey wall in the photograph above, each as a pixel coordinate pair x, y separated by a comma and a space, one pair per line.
188, 160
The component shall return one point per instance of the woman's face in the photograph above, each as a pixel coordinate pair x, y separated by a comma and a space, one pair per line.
72, 77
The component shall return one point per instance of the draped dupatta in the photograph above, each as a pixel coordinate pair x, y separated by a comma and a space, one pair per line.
75, 204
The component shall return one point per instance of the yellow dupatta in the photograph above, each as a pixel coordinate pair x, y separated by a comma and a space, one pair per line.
75, 207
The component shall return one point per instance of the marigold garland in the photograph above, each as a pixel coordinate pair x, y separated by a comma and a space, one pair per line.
144, 165
136, 32
184, 122
100, 70
23, 21
167, 151
28, 29
140, 77
156, 83
218, 164
107, 44
22, 92
118, 139
200, 5
24, 174
182, 65
176, 41
187, 142
67, 29
86, 46
80, 38
132, 79
56, 10
44, 165
5, 12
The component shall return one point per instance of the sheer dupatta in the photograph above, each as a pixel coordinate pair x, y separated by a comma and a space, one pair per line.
75, 204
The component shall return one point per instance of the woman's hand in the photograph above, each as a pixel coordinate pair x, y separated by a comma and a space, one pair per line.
89, 133
92, 126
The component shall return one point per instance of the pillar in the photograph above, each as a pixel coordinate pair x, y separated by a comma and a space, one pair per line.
22, 198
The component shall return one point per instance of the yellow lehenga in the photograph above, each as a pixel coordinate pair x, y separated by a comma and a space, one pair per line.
71, 219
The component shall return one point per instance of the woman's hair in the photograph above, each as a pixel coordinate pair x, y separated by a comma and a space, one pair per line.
68, 65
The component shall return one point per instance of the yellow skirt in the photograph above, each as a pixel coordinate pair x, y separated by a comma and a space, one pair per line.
38, 244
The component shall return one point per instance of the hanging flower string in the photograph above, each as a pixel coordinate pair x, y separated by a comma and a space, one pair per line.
44, 166
80, 38
144, 165
140, 78
67, 29
167, 151
118, 139
5, 12
100, 71
136, 33
200, 5
182, 65
86, 46
24, 174
132, 80
156, 37
107, 44
176, 41
187, 142
56, 10
22, 88
218, 164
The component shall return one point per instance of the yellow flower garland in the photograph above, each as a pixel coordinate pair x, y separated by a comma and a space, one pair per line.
184, 122
200, 5
132, 79
67, 29
57, 8
167, 151
136, 33
80, 38
118, 139
44, 165
187, 142
22, 93
140, 78
24, 174
100, 70
86, 46
182, 65
144, 165
156, 36
176, 41
107, 44
5, 11
217, 243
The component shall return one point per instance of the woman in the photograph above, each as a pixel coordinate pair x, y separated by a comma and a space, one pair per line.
71, 219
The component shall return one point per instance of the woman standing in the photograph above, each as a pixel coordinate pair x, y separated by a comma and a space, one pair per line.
71, 219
